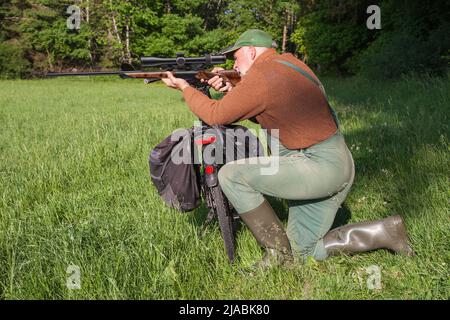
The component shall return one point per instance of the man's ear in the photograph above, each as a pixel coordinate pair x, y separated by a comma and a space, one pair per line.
252, 52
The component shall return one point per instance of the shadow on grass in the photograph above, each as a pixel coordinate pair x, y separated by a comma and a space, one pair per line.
280, 206
199, 216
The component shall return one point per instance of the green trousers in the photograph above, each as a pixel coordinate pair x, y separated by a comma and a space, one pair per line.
314, 181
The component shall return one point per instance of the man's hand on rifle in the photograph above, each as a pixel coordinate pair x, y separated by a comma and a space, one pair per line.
217, 83
176, 83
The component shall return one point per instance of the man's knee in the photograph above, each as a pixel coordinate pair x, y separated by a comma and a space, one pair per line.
228, 174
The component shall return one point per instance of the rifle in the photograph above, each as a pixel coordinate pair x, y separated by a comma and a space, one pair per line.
192, 69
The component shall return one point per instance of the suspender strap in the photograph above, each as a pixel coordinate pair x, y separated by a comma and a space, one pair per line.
316, 82
298, 69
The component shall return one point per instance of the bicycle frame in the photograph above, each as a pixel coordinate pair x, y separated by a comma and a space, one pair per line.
216, 201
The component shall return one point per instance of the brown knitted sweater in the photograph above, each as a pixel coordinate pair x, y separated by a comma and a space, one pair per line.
277, 96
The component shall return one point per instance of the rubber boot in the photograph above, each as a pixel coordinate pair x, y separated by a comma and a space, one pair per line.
389, 233
269, 233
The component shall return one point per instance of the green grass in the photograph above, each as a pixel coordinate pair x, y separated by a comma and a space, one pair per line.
75, 190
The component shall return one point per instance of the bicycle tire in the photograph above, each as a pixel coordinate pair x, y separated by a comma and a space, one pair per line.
226, 221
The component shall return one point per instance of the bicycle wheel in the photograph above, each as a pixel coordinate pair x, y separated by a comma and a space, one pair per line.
226, 220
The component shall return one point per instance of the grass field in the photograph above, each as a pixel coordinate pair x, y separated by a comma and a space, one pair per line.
75, 191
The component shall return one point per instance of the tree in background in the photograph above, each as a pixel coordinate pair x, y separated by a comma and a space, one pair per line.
330, 35
275, 17
13, 60
414, 37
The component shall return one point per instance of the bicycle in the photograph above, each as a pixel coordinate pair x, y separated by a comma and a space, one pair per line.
214, 198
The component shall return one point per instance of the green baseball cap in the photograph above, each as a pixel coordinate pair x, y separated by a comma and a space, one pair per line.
251, 37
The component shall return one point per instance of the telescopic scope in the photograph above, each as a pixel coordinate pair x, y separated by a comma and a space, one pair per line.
182, 62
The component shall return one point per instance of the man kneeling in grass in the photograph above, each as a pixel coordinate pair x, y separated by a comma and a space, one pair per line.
315, 167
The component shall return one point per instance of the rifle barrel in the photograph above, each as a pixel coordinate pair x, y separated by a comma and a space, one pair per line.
98, 73
125, 74
159, 74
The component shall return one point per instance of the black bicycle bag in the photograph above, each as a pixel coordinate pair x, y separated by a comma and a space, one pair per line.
178, 182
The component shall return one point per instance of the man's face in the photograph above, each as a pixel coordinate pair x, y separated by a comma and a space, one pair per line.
243, 59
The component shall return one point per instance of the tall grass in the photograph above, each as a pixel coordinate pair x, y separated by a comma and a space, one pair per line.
75, 190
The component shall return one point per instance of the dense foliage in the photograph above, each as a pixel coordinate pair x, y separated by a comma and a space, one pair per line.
330, 35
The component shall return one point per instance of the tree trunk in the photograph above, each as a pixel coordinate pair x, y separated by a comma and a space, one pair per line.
115, 28
285, 32
127, 44
89, 40
291, 27
49, 60
116, 31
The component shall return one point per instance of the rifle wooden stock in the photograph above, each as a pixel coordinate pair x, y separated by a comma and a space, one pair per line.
227, 75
